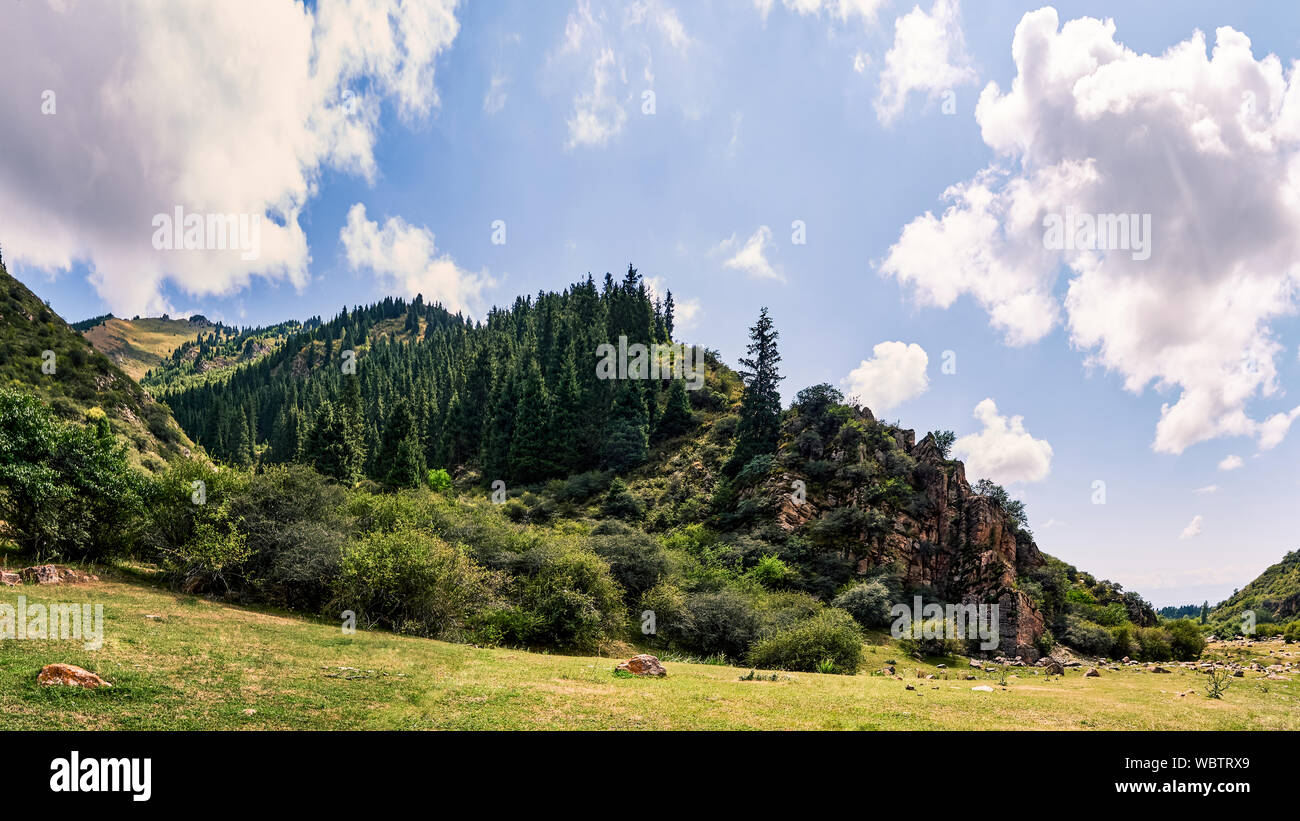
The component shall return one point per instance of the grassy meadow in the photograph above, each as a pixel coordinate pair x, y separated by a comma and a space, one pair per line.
186, 663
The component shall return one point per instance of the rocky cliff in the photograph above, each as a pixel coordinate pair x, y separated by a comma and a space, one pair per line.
886, 501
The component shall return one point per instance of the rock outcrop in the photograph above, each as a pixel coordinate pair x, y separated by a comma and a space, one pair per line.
643, 665
947, 541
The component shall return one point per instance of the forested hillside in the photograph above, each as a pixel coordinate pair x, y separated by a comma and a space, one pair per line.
388, 390
42, 355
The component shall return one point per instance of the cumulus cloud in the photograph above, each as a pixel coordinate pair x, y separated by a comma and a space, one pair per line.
406, 260
1231, 462
928, 56
216, 106
1208, 145
752, 256
894, 374
1193, 528
1003, 451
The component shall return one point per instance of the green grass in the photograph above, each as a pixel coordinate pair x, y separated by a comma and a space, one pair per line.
202, 664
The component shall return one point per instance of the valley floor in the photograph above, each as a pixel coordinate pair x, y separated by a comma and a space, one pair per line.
186, 663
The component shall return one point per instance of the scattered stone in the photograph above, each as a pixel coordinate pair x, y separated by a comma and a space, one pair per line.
10, 579
41, 574
1159, 669
1053, 667
983, 688
978, 665
643, 665
250, 711
942, 666
1092, 673
909, 687
70, 675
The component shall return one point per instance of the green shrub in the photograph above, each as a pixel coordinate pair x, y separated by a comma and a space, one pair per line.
830, 635
568, 597
1185, 640
723, 622
867, 602
771, 572
637, 561
1087, 637
1154, 644
439, 480
621, 503
1122, 641
931, 638
413, 583
1292, 632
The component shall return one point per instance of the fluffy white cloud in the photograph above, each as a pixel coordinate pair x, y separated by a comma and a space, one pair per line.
894, 374
1208, 145
1231, 462
752, 256
1207, 489
928, 56
1193, 528
1003, 451
216, 106
407, 261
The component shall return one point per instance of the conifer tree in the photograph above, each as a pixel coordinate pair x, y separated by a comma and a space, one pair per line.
760, 409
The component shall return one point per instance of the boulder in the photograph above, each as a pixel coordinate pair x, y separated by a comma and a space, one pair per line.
1092, 673
1159, 669
41, 574
69, 675
10, 579
1052, 666
643, 665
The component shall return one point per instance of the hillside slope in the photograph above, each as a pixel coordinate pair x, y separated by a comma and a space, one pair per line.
1274, 595
139, 345
42, 354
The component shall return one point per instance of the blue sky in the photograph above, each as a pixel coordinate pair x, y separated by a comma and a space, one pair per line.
764, 114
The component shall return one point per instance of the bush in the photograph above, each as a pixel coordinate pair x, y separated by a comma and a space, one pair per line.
621, 503
668, 604
439, 480
1087, 637
1154, 644
831, 634
1292, 632
1185, 640
568, 598
1122, 641
723, 622
290, 516
868, 603
771, 572
637, 561
935, 637
413, 583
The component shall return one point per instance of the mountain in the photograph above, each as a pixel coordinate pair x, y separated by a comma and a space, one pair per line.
139, 345
1274, 596
42, 354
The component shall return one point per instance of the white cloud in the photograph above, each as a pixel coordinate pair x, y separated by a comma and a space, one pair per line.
894, 374
406, 260
752, 256
1003, 451
1209, 146
686, 312
495, 98
842, 10
1207, 489
928, 56
1193, 528
218, 106
861, 62
1231, 462
598, 46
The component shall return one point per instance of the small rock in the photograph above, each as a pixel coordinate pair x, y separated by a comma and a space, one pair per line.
10, 579
71, 676
1159, 669
983, 688
976, 664
643, 665
250, 711
1092, 673
41, 574
910, 687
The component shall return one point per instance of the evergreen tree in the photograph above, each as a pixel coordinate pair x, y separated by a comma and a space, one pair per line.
760, 409
401, 457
